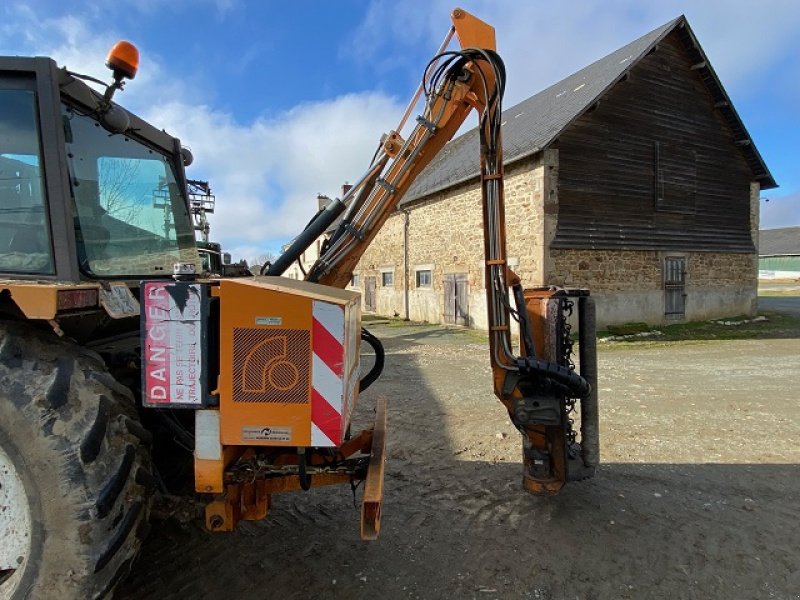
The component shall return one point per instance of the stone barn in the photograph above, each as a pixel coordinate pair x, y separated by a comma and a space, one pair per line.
634, 177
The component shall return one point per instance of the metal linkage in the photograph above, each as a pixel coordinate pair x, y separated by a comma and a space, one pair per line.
259, 468
252, 479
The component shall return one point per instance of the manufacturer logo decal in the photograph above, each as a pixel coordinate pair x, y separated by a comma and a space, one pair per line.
273, 434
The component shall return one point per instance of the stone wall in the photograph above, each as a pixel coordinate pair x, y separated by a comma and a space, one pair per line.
628, 285
445, 236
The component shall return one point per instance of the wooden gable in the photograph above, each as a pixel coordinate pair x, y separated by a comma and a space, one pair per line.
654, 165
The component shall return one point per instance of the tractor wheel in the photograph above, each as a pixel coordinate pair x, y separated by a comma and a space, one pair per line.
75, 480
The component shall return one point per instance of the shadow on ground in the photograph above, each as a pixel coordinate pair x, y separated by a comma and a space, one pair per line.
460, 529
458, 525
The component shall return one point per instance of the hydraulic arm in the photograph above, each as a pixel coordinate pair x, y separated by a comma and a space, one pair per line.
398, 161
539, 386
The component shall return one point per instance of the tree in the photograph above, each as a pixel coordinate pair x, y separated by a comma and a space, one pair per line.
117, 178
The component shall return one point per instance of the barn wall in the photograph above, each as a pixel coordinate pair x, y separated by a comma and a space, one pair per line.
445, 236
654, 166
650, 173
628, 285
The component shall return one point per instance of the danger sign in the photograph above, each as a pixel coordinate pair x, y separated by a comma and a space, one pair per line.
174, 316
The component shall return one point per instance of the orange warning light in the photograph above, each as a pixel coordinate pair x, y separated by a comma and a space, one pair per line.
123, 59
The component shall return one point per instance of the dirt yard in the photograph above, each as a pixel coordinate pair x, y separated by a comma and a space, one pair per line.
698, 495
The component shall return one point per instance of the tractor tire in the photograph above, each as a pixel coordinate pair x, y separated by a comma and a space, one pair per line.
75, 470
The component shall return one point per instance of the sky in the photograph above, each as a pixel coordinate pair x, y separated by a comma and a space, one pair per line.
281, 101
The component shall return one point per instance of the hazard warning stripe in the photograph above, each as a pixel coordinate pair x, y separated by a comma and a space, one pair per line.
326, 383
328, 348
331, 317
326, 418
320, 439
327, 372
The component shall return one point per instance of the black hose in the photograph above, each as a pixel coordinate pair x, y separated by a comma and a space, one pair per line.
301, 243
380, 357
305, 478
524, 322
576, 384
181, 435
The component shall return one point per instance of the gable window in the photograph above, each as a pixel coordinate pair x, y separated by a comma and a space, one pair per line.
675, 177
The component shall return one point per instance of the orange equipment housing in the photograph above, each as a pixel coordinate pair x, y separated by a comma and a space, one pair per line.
289, 362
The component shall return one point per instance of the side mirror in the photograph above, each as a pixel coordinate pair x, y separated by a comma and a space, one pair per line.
187, 156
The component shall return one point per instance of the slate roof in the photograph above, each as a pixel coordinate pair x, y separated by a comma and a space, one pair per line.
784, 241
535, 123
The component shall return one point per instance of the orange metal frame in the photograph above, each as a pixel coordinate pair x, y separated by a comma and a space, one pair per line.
251, 501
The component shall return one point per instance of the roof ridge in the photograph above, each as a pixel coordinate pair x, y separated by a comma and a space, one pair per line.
546, 114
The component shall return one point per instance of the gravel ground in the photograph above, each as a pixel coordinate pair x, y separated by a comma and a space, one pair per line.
698, 495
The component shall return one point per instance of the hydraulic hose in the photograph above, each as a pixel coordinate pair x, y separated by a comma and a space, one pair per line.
577, 385
380, 356
305, 478
313, 230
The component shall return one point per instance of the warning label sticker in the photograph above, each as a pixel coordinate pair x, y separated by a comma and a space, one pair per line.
273, 434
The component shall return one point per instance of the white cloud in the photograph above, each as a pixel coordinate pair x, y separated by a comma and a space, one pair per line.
266, 174
543, 42
75, 44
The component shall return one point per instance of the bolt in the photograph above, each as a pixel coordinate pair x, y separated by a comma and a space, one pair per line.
458, 13
216, 522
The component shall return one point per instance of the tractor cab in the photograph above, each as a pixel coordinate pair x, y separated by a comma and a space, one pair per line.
88, 191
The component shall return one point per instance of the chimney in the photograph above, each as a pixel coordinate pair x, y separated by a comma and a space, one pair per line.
322, 201
346, 188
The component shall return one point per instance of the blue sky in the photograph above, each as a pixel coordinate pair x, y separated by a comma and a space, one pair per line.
281, 101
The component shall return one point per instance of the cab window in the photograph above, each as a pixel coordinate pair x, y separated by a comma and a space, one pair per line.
24, 231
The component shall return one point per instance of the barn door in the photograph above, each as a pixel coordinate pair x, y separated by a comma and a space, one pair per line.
369, 294
462, 304
674, 287
449, 299
456, 294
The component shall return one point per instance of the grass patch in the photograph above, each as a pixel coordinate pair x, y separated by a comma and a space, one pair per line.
368, 318
629, 328
775, 325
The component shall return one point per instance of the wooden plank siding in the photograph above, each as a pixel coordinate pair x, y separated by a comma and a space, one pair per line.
656, 134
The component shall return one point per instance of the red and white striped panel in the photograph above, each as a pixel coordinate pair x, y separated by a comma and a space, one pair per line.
327, 374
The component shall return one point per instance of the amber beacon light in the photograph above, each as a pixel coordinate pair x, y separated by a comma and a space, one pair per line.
123, 60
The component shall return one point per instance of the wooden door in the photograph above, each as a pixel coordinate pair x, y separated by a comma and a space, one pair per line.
675, 287
456, 299
370, 303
